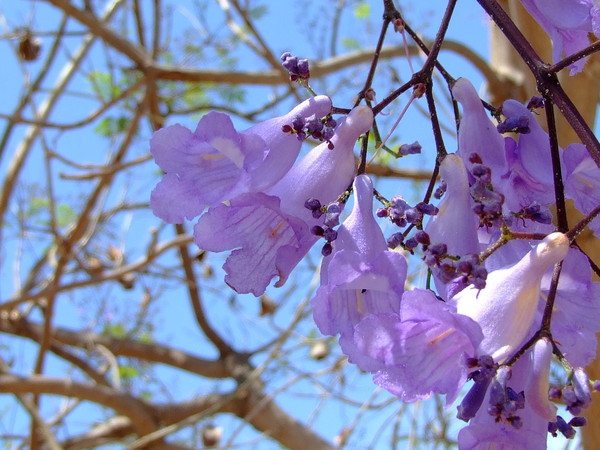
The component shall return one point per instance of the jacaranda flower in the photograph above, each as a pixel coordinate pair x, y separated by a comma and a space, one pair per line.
506, 308
476, 133
269, 233
455, 225
420, 350
508, 424
215, 162
582, 181
568, 23
529, 178
361, 276
576, 312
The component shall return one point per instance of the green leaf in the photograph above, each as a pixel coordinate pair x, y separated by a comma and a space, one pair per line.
104, 128
116, 329
110, 126
37, 206
65, 215
362, 10
350, 44
128, 372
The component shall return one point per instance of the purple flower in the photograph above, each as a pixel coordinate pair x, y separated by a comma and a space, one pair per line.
576, 313
269, 233
420, 350
582, 181
568, 23
529, 431
539, 381
529, 178
215, 162
506, 308
410, 149
361, 277
455, 225
477, 133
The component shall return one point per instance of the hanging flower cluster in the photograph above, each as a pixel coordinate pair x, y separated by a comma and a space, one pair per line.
486, 320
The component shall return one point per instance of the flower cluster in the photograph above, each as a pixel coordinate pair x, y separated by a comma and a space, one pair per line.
481, 324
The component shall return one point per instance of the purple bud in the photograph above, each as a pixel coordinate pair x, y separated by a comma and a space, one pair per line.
395, 240
581, 385
330, 234
566, 429
328, 133
312, 204
317, 230
472, 401
438, 249
382, 212
291, 65
327, 249
413, 215
428, 209
535, 102
332, 216
410, 149
439, 192
422, 237
303, 68
554, 393
298, 123
411, 243
313, 124
578, 422
474, 158
465, 267
498, 386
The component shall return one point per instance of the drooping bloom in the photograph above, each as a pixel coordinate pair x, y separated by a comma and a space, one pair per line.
361, 276
455, 224
420, 350
568, 23
576, 312
524, 430
506, 308
529, 179
269, 233
412, 342
477, 133
215, 162
582, 181
539, 381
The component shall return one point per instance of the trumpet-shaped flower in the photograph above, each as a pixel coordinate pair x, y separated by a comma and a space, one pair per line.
418, 351
568, 23
582, 183
539, 381
215, 162
361, 276
525, 429
269, 233
454, 225
576, 312
477, 133
529, 179
506, 308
